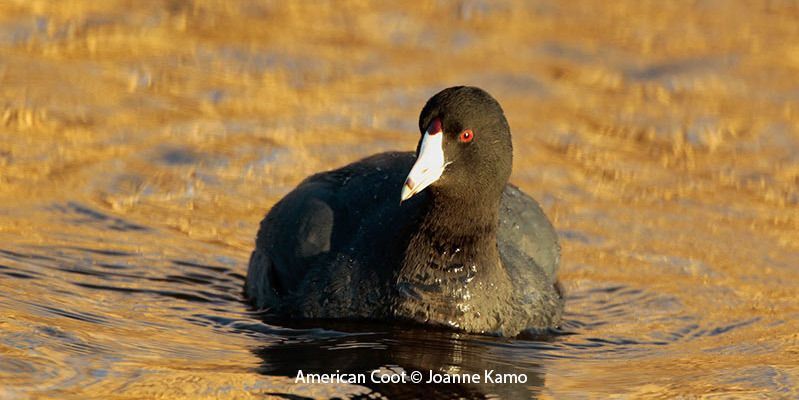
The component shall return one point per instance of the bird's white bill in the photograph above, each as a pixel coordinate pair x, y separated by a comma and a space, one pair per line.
429, 165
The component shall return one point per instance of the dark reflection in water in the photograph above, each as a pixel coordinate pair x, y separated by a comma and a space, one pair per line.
388, 347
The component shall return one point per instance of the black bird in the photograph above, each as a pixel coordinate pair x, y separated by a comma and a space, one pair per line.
438, 237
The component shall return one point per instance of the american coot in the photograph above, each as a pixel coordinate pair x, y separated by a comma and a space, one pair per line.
438, 237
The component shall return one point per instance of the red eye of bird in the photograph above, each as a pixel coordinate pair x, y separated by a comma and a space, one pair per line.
466, 136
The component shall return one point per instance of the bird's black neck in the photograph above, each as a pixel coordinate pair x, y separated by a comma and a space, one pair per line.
449, 217
452, 251
453, 232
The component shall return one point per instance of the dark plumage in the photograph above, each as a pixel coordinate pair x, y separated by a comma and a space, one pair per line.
465, 249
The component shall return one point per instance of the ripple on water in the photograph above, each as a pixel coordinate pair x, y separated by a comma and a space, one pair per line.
661, 320
83, 215
109, 296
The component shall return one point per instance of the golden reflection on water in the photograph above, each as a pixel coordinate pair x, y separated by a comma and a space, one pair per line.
661, 138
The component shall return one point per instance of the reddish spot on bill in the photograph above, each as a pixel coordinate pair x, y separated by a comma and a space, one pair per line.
435, 127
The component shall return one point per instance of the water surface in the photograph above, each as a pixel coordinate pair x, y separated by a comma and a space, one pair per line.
140, 145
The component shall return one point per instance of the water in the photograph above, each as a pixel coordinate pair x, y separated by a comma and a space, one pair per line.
141, 145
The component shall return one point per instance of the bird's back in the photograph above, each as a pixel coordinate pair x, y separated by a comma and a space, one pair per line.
332, 223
